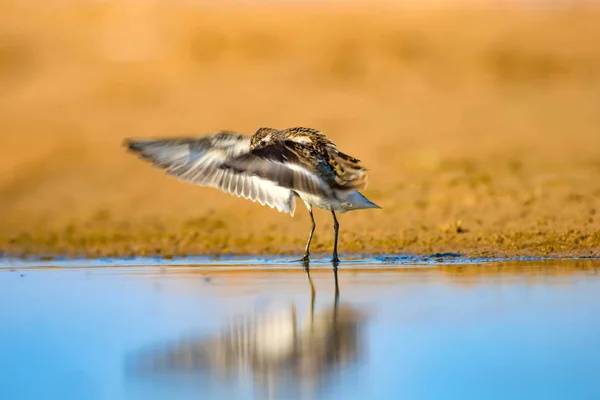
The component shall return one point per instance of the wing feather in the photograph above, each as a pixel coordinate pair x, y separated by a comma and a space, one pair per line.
246, 189
201, 160
285, 166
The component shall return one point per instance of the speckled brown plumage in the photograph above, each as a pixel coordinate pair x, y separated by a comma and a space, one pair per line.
315, 151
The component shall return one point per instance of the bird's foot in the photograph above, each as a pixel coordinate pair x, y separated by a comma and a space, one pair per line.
335, 260
305, 259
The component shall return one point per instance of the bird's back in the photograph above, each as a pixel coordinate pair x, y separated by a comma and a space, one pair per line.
346, 171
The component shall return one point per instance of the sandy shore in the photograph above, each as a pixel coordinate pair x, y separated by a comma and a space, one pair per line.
479, 127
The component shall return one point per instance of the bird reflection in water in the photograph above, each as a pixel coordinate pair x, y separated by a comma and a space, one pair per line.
275, 349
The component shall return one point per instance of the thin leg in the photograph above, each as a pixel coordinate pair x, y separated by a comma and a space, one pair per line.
336, 227
310, 236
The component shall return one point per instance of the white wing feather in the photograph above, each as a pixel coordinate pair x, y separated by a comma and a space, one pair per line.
199, 160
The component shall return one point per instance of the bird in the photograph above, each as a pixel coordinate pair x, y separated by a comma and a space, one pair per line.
271, 167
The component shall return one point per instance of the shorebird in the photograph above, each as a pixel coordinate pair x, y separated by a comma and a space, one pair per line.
271, 167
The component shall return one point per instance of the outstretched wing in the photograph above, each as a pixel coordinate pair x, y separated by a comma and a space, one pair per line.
292, 165
200, 160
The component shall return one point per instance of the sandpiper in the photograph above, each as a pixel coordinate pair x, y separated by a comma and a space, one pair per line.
271, 167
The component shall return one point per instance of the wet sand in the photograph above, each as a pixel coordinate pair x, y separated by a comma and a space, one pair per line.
516, 330
479, 126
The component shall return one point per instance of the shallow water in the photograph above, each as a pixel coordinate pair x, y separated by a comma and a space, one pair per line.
116, 329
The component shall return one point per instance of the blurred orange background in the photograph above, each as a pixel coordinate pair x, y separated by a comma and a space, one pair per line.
479, 123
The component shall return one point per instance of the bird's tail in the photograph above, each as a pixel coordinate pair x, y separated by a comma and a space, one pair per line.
353, 200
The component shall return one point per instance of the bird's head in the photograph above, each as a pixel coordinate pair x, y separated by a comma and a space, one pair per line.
263, 137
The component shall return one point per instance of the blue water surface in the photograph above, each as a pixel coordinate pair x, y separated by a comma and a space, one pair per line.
75, 333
